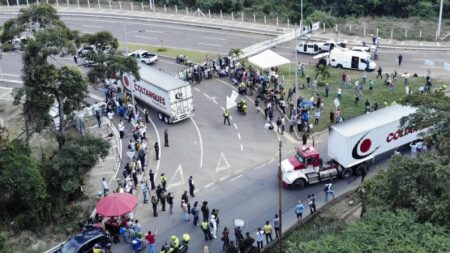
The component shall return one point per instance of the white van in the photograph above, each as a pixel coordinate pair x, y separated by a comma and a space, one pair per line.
349, 59
308, 48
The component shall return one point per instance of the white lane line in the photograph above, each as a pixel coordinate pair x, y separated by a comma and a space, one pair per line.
4, 74
206, 95
7, 93
242, 147
201, 142
197, 89
212, 189
196, 190
234, 178
223, 109
215, 102
147, 31
239, 136
211, 45
260, 166
159, 141
212, 38
224, 178
146, 37
92, 26
235, 126
209, 185
231, 118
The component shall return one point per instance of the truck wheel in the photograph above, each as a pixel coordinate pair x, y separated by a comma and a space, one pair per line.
160, 116
346, 173
339, 66
298, 184
361, 167
166, 119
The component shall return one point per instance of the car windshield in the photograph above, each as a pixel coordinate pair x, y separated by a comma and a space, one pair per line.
69, 247
300, 158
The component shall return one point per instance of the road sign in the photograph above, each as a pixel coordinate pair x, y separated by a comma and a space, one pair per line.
177, 178
223, 164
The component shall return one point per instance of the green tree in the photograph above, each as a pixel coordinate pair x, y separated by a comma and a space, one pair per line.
321, 75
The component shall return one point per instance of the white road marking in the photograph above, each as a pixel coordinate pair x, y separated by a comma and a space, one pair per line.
242, 147
215, 102
222, 164
212, 38
92, 26
234, 178
197, 89
201, 142
209, 185
224, 178
196, 190
146, 37
206, 95
211, 45
260, 166
7, 93
212, 189
4, 74
235, 126
231, 118
178, 171
159, 141
239, 136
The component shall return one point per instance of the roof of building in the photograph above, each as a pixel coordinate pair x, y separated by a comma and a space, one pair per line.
159, 78
373, 120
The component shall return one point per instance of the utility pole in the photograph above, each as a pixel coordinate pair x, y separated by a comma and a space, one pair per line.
438, 33
301, 16
296, 66
279, 198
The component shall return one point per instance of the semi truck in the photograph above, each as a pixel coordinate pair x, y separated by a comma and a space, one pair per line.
351, 147
170, 96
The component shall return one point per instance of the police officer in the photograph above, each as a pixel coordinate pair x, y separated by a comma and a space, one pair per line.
226, 117
163, 181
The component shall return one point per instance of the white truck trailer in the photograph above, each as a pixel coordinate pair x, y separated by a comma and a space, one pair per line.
170, 96
351, 146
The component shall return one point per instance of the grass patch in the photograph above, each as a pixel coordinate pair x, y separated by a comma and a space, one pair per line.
382, 94
194, 56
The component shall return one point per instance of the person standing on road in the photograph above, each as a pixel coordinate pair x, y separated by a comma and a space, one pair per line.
268, 232
166, 138
226, 239
185, 208
98, 117
205, 210
169, 200
156, 150
195, 211
226, 117
259, 238
151, 238
213, 223
121, 129
163, 181
75, 59
400, 59
380, 73
105, 187
191, 186
278, 122
159, 191
155, 206
185, 198
206, 230
283, 123
152, 179
299, 211
144, 191
328, 190
276, 225
162, 198
312, 203
147, 118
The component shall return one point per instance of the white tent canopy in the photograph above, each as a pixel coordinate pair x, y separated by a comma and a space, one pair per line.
268, 59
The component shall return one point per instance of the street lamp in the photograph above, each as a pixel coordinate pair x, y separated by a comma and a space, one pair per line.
280, 176
438, 32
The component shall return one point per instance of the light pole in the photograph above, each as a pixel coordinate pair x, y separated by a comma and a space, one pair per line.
438, 33
280, 176
296, 66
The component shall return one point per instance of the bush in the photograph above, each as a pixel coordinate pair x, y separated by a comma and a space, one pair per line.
161, 49
7, 47
322, 17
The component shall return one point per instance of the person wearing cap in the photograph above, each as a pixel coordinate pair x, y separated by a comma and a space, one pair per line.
299, 211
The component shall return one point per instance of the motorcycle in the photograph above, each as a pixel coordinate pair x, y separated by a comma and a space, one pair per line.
182, 59
181, 248
242, 107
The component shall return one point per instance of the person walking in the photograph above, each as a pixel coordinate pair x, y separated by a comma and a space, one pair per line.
121, 129
339, 93
380, 73
185, 198
276, 225
363, 174
205, 210
206, 230
328, 190
268, 232
154, 201
152, 179
226, 239
259, 238
195, 213
213, 223
144, 191
169, 200
312, 203
316, 117
147, 118
191, 186
75, 59
163, 181
105, 187
304, 138
162, 198
226, 117
98, 117
151, 238
166, 138
400, 59
299, 211
156, 146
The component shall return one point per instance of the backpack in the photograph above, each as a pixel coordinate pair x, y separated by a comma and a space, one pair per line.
193, 211
326, 188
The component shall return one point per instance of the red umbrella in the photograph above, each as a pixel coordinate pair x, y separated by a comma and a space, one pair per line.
116, 204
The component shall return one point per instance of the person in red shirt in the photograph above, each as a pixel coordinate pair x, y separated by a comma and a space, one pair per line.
151, 238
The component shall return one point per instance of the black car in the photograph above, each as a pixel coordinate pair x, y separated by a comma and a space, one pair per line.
85, 241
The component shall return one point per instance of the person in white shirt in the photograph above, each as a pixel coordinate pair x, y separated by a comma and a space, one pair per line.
316, 117
413, 149
259, 238
121, 129
105, 187
213, 224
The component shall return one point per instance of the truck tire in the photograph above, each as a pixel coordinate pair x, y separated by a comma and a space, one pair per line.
298, 184
346, 173
360, 167
339, 66
161, 116
167, 119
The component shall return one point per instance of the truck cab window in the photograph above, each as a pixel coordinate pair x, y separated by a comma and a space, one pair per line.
311, 160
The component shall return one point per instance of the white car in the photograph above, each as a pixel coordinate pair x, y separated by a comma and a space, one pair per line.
83, 51
363, 49
327, 46
308, 48
144, 56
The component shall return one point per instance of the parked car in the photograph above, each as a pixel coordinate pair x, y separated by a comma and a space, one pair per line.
308, 48
144, 56
83, 51
327, 46
84, 242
